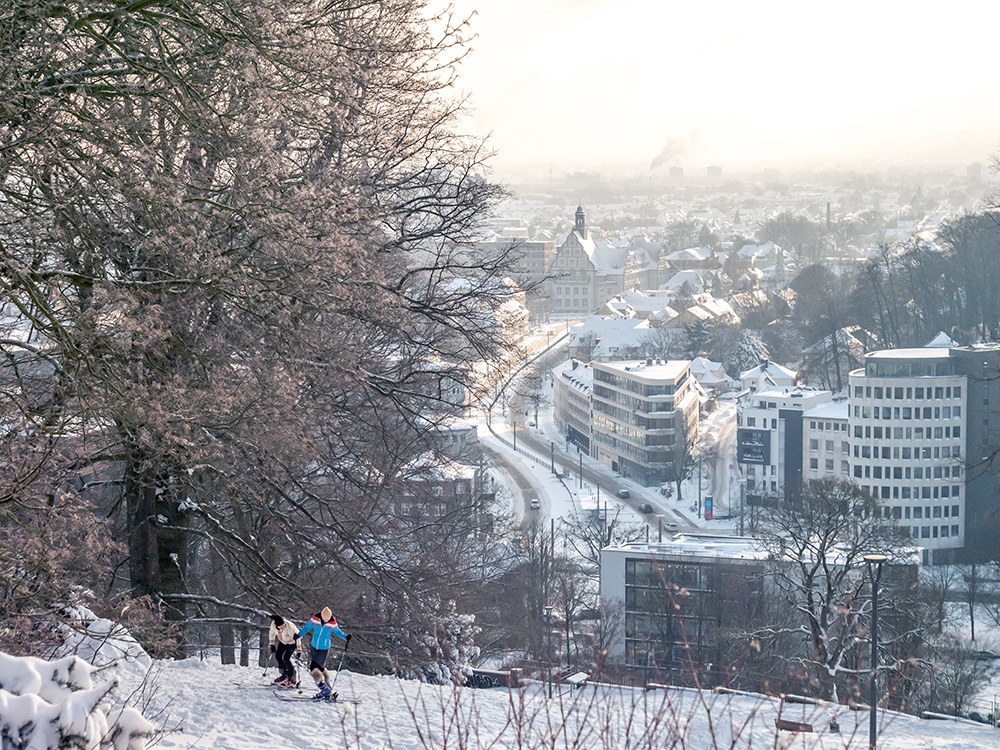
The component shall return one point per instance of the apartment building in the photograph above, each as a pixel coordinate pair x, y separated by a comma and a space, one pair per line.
644, 417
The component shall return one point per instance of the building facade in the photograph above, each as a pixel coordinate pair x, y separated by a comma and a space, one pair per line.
770, 439
580, 284
826, 443
571, 384
682, 601
644, 417
907, 422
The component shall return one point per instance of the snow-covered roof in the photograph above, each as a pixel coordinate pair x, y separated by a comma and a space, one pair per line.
707, 372
690, 254
941, 341
777, 372
580, 376
693, 276
830, 410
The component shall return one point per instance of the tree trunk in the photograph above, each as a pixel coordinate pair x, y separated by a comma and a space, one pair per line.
157, 538
244, 647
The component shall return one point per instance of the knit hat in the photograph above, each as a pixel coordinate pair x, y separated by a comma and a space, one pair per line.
278, 620
326, 614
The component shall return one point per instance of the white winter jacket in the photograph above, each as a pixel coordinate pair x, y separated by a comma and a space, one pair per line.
286, 633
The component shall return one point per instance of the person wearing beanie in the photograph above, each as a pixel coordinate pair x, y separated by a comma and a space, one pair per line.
322, 626
283, 639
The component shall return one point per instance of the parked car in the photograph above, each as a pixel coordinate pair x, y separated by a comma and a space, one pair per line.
645, 508
623, 494
534, 503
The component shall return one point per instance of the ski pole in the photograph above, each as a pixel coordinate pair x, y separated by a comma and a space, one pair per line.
337, 673
268, 663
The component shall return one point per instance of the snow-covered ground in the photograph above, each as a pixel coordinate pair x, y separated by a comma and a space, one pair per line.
214, 706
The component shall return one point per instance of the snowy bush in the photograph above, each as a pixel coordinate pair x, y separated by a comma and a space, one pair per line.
443, 648
99, 641
50, 705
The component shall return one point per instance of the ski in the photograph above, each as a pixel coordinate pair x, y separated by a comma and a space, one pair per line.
310, 699
271, 685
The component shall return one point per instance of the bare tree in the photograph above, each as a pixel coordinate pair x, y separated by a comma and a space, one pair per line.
816, 544
237, 233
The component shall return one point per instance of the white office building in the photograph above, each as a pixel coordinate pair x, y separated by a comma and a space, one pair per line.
770, 437
908, 410
826, 442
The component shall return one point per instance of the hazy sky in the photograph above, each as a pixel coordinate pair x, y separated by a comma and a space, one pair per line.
586, 83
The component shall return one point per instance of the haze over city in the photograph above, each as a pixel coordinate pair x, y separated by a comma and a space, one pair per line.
628, 85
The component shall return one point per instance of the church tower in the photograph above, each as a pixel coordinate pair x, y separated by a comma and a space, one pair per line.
581, 222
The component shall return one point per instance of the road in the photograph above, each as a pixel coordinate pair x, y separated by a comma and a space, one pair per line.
570, 461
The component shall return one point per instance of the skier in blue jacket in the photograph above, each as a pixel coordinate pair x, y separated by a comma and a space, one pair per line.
322, 626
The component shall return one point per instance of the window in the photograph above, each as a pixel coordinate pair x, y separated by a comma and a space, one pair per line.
899, 394
907, 412
956, 411
944, 532
858, 392
919, 393
956, 432
878, 392
857, 431
957, 391
829, 464
938, 393
845, 447
829, 446
751, 421
954, 530
917, 511
937, 511
813, 444
845, 467
813, 464
925, 532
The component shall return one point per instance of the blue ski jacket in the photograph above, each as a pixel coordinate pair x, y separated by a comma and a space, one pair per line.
322, 632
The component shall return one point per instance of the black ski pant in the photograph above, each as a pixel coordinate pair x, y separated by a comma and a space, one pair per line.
283, 655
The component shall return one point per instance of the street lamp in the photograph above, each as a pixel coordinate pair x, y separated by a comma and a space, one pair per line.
548, 648
874, 565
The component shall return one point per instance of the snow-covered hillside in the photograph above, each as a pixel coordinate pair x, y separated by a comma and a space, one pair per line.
215, 706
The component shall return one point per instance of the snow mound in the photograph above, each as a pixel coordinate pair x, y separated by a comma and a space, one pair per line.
101, 642
46, 705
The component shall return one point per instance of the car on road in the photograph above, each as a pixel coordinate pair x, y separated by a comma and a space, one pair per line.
534, 503
531, 423
671, 526
623, 494
645, 508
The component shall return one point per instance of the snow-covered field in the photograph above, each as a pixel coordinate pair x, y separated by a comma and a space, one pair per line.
215, 706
